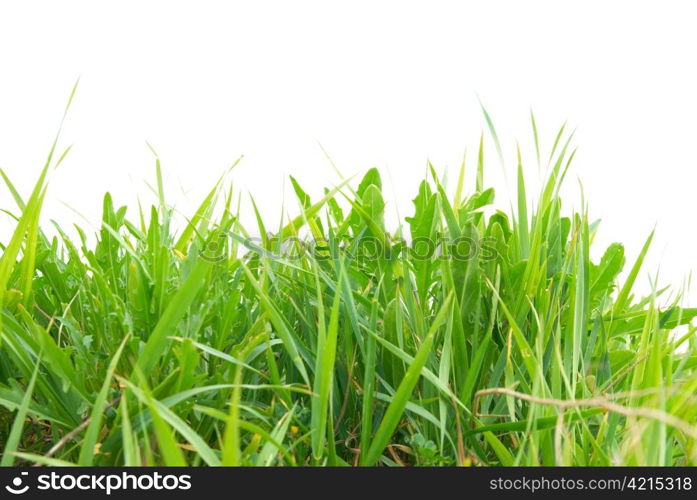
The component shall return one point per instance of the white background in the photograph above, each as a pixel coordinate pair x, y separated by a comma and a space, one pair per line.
387, 84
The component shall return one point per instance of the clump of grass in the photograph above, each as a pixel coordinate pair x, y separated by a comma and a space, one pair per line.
463, 337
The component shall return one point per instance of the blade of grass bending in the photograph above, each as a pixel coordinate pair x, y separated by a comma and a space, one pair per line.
500, 450
410, 407
202, 212
160, 411
169, 447
127, 435
399, 401
538, 424
15, 194
176, 309
425, 371
219, 354
268, 451
247, 426
291, 228
39, 459
279, 324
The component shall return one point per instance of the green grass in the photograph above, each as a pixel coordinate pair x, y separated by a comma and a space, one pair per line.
170, 343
